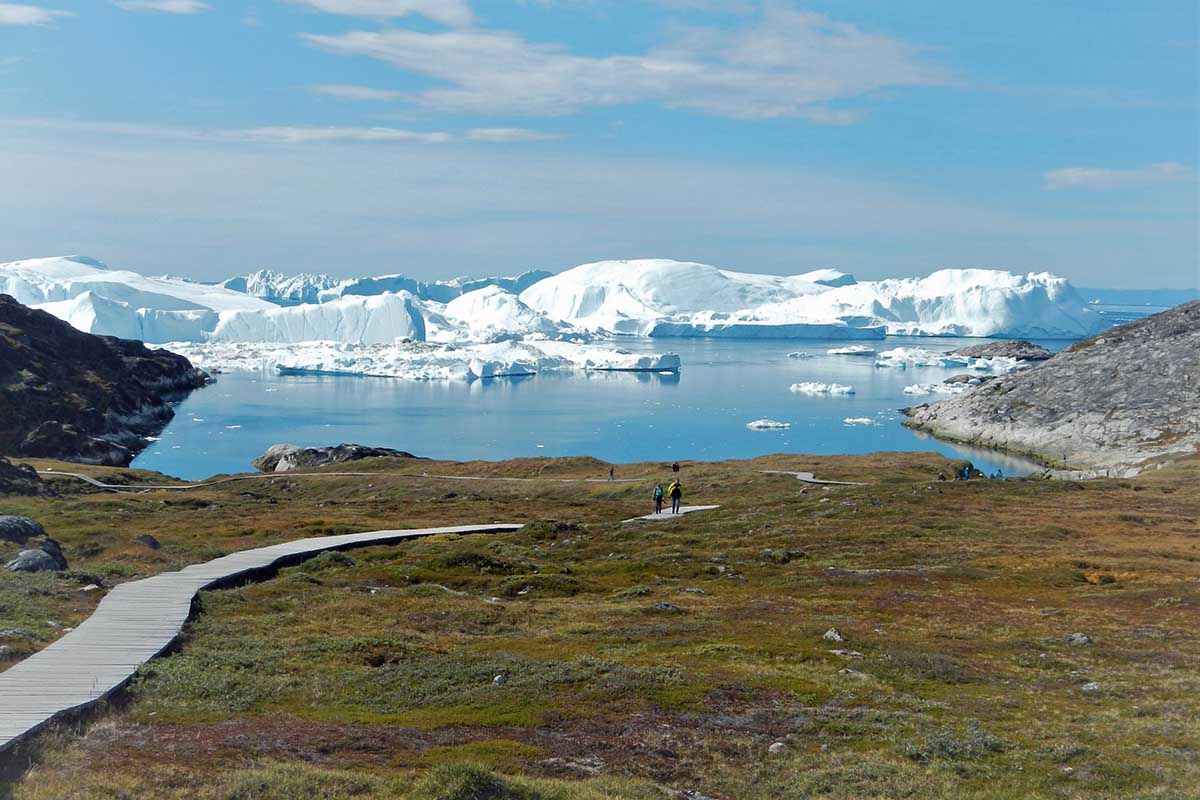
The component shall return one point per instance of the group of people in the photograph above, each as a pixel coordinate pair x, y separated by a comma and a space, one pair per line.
673, 491
965, 475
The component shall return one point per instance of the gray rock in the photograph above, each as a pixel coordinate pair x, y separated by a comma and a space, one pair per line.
499, 680
1013, 348
146, 540
1078, 639
833, 635
665, 606
1090, 687
19, 530
49, 558
15, 633
777, 747
1104, 406
284, 457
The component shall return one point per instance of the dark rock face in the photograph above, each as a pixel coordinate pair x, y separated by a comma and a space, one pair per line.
79, 397
49, 558
284, 457
146, 540
19, 530
1105, 405
1015, 348
19, 478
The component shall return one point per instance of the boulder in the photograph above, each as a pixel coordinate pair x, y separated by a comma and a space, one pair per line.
19, 530
284, 457
48, 558
1078, 639
19, 478
833, 635
146, 540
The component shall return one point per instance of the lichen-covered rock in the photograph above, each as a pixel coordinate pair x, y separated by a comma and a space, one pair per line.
19, 530
284, 457
1105, 405
48, 558
146, 540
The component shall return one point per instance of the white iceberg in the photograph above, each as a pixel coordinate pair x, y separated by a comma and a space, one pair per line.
802, 355
768, 425
852, 350
904, 357
935, 388
859, 421
812, 388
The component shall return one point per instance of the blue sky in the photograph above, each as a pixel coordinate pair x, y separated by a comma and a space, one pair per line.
445, 137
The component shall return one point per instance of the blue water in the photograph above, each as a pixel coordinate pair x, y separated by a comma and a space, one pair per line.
700, 413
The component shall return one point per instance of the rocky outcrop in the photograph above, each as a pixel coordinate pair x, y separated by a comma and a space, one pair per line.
79, 397
48, 558
284, 457
1013, 348
19, 530
1106, 405
19, 478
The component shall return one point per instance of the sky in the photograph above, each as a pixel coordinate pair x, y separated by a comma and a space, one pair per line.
208, 138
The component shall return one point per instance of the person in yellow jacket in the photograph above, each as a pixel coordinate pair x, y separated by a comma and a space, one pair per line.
675, 492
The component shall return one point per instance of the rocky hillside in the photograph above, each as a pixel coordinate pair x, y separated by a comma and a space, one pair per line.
72, 395
1104, 405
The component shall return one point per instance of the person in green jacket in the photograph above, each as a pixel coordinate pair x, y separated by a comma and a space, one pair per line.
659, 494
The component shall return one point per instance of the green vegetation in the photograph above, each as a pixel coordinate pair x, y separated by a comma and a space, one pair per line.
642, 660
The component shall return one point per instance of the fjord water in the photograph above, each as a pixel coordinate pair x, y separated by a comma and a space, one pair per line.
701, 413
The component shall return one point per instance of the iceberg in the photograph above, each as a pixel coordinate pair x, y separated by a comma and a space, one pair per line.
859, 421
935, 388
422, 361
281, 289
360, 320
656, 297
811, 388
905, 357
852, 350
768, 425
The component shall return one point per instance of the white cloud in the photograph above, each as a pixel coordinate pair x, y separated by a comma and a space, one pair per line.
786, 63
347, 92
447, 12
307, 135
164, 6
1103, 178
508, 135
19, 14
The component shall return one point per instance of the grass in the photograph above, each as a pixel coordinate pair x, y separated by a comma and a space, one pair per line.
642, 660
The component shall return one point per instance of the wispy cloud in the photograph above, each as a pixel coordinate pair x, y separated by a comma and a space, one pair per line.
20, 14
348, 92
308, 135
1104, 178
273, 134
785, 63
164, 6
508, 135
447, 12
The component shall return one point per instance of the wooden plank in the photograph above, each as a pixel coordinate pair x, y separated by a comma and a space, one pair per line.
138, 620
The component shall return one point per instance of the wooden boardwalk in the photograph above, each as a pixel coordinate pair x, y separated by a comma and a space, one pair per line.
138, 620
667, 515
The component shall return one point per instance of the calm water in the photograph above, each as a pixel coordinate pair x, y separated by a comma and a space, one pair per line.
622, 417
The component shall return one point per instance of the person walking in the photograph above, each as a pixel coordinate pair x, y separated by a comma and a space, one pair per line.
612, 471
659, 494
675, 468
675, 490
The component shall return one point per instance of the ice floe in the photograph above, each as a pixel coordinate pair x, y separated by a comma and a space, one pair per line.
768, 425
812, 388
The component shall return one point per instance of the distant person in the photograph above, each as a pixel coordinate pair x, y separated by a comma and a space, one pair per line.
941, 476
676, 492
612, 471
659, 494
675, 468
999, 473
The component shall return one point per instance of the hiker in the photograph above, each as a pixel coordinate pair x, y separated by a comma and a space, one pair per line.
611, 472
941, 476
999, 474
676, 492
675, 468
659, 494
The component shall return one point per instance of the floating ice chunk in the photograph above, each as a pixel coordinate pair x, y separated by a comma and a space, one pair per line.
812, 388
852, 350
859, 421
802, 354
935, 388
767, 425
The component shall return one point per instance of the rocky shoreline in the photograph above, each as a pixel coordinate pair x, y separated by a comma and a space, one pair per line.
80, 397
1109, 405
